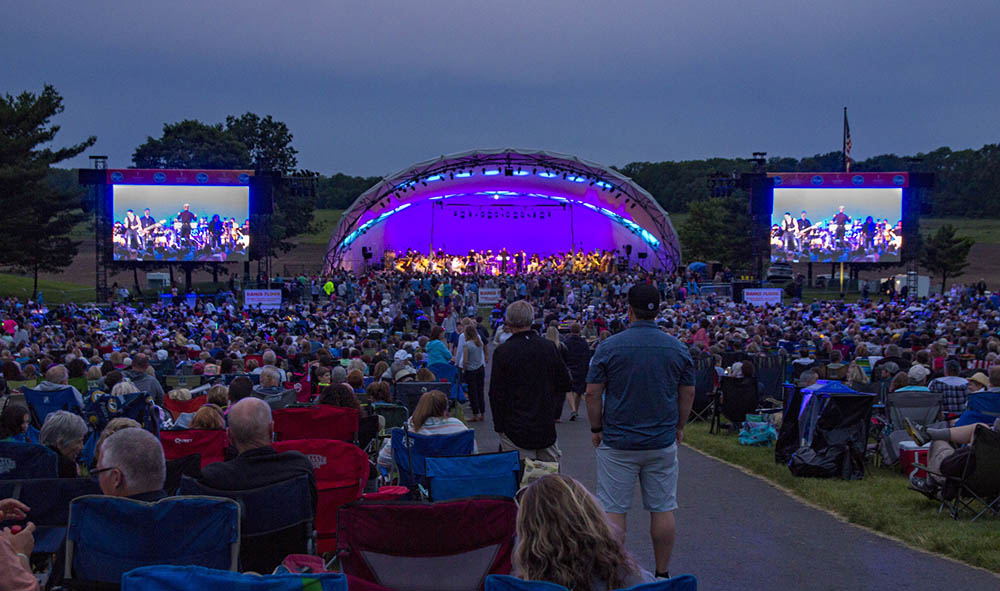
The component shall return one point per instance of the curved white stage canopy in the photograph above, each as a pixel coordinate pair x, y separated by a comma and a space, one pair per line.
538, 202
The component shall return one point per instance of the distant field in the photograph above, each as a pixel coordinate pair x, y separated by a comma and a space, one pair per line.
55, 292
983, 231
325, 222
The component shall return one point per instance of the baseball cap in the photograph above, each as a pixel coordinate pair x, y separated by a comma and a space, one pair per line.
644, 297
918, 372
401, 355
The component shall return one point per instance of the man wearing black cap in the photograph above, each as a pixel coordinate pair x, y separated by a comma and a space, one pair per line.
647, 379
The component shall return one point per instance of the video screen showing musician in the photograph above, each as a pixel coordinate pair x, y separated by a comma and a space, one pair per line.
212, 226
863, 226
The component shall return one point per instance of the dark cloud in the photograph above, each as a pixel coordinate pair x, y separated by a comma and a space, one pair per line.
370, 87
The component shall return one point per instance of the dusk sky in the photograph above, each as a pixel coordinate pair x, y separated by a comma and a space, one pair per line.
370, 87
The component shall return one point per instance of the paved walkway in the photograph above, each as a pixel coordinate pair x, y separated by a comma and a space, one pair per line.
738, 532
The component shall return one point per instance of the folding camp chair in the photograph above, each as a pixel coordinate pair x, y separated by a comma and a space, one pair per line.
341, 471
678, 583
42, 402
367, 432
509, 583
185, 578
80, 384
109, 536
280, 400
447, 546
980, 479
920, 406
20, 461
210, 443
275, 520
189, 466
409, 393
446, 372
410, 450
316, 422
455, 477
731, 357
738, 399
100, 407
395, 415
179, 407
49, 500
703, 407
770, 373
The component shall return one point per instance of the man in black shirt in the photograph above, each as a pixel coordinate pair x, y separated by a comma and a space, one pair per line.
841, 219
186, 218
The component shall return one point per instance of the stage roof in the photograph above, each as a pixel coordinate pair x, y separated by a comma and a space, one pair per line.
459, 201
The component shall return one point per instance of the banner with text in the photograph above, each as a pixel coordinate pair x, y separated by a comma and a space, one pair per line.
762, 296
489, 296
266, 299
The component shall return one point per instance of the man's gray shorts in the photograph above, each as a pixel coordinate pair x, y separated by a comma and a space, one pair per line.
657, 472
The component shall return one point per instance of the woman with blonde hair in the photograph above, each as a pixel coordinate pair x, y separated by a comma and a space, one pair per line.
564, 537
209, 416
430, 417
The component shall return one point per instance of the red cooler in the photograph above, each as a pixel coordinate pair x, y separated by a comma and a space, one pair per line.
910, 453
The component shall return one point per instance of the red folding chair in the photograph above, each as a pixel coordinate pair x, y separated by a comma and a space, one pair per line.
302, 387
341, 471
258, 358
178, 407
316, 422
210, 443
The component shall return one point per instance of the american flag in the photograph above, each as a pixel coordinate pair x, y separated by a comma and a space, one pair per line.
847, 143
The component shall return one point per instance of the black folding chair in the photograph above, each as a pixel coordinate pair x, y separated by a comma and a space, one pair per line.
275, 520
703, 407
980, 479
739, 398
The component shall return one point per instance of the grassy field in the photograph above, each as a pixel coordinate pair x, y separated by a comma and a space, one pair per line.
53, 292
881, 501
324, 223
983, 231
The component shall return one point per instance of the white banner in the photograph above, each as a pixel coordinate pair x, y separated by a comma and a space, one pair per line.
267, 299
489, 296
762, 296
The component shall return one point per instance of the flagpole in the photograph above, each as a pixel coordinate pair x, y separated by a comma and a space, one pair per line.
843, 149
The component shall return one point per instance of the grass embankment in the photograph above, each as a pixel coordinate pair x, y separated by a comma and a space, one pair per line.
881, 501
324, 223
53, 292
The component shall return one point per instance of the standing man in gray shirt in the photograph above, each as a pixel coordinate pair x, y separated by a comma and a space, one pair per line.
647, 380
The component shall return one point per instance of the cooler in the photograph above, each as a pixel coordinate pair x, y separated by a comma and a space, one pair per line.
910, 453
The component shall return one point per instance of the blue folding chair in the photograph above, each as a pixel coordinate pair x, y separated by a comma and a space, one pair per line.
19, 461
447, 371
453, 477
277, 520
185, 578
678, 583
49, 499
410, 451
509, 583
42, 402
99, 408
109, 536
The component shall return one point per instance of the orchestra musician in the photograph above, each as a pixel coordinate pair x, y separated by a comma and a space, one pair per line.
840, 220
802, 227
788, 229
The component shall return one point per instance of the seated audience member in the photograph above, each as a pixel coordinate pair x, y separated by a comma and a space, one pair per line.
430, 417
978, 382
405, 374
899, 381
338, 375
124, 388
209, 417
179, 394
112, 378
356, 380
855, 375
14, 421
143, 381
945, 443
63, 432
218, 395
379, 392
270, 389
57, 378
114, 425
984, 400
239, 389
808, 378
270, 359
15, 549
250, 432
953, 388
564, 537
131, 464
425, 375
341, 395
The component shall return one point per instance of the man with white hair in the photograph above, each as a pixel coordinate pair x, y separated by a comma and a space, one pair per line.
528, 385
132, 465
271, 390
57, 378
258, 464
270, 359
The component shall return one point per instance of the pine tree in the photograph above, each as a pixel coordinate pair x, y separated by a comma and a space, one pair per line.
945, 254
38, 216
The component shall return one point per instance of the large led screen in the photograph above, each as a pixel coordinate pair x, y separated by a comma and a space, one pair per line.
174, 223
855, 225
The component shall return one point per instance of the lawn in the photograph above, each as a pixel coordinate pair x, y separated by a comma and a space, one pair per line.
324, 223
53, 292
982, 230
881, 501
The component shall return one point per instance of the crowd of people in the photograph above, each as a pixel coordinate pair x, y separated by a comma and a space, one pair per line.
553, 341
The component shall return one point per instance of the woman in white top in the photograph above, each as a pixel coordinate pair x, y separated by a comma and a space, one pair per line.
474, 366
430, 417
